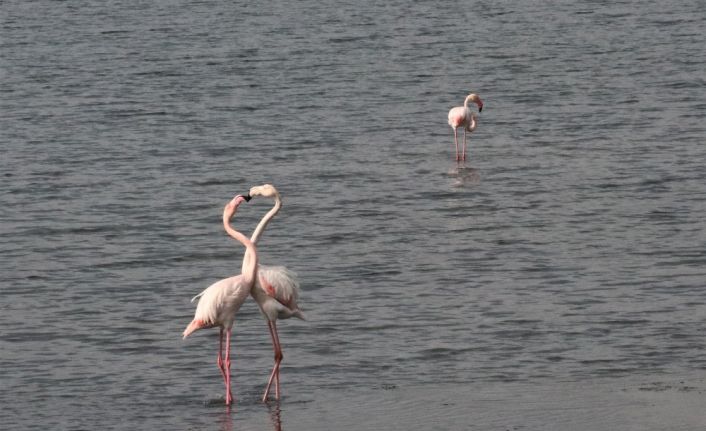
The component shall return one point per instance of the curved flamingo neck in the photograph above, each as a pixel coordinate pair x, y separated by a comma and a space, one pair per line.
266, 220
469, 98
472, 126
249, 268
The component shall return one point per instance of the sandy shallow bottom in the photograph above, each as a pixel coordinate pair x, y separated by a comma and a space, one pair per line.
606, 404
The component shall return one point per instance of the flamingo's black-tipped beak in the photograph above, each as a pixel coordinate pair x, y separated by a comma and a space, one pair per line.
480, 108
247, 197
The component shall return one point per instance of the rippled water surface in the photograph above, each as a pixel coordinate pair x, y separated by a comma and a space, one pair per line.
570, 247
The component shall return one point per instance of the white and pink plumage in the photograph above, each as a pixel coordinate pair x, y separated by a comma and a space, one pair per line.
219, 303
462, 116
276, 290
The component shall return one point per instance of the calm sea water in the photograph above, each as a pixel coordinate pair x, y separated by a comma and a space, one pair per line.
570, 247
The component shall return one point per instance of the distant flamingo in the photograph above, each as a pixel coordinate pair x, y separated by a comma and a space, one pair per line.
276, 290
461, 116
220, 301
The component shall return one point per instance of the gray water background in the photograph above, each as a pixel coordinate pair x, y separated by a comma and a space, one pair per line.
570, 247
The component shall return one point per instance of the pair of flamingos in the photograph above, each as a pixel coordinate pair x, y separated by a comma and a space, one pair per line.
462, 116
274, 288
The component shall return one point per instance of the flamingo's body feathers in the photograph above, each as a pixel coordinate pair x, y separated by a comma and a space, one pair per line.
194, 326
459, 116
277, 293
284, 282
218, 304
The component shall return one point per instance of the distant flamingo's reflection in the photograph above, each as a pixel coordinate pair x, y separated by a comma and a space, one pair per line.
464, 175
226, 420
275, 415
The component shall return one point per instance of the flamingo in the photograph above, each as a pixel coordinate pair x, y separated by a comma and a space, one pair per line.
219, 302
461, 116
276, 290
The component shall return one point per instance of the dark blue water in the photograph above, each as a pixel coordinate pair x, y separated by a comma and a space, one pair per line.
570, 247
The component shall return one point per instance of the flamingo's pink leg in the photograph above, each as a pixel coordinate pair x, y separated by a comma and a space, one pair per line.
456, 141
229, 394
274, 376
464, 144
278, 358
220, 357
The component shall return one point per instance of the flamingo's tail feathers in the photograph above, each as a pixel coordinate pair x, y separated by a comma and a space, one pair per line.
299, 315
193, 326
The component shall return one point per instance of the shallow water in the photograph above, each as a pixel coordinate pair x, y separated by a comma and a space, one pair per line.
571, 245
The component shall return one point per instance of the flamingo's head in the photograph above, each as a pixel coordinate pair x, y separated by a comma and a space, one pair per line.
478, 102
473, 97
233, 204
239, 199
266, 190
